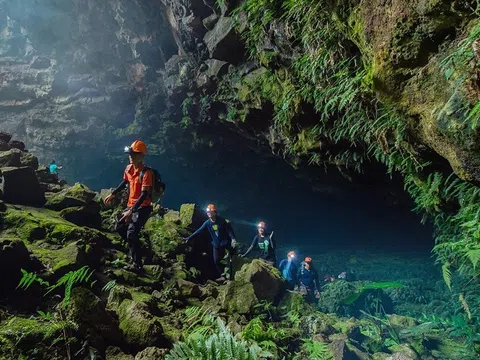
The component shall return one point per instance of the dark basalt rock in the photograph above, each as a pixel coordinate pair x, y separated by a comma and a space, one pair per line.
21, 186
223, 42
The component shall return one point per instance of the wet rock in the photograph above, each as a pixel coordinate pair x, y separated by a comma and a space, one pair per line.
115, 353
223, 42
15, 157
152, 353
77, 195
338, 349
255, 282
210, 21
96, 325
216, 68
17, 145
140, 328
21, 186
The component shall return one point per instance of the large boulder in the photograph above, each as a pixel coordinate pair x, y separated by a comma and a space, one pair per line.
191, 216
14, 256
77, 195
95, 324
223, 42
164, 236
216, 68
139, 327
255, 282
21, 186
16, 157
44, 176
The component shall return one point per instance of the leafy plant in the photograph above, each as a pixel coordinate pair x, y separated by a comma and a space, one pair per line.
315, 350
221, 345
109, 285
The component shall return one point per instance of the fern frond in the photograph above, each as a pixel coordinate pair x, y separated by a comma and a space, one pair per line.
447, 275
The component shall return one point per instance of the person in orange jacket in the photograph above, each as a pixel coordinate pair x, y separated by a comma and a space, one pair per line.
139, 206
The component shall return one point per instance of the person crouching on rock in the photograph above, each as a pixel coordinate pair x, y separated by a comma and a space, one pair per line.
222, 240
264, 242
308, 282
289, 270
139, 206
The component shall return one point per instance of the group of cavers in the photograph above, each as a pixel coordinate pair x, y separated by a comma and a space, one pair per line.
142, 182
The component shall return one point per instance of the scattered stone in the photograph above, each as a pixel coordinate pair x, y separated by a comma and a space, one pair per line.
188, 289
210, 21
96, 325
151, 353
163, 236
77, 195
116, 297
223, 42
140, 328
403, 352
216, 68
115, 353
21, 187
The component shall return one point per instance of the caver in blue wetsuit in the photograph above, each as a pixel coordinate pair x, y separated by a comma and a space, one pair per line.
289, 269
308, 281
222, 237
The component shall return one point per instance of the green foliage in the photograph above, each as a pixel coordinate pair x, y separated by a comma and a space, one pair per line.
267, 336
109, 285
447, 275
201, 321
221, 345
315, 350
82, 275
28, 279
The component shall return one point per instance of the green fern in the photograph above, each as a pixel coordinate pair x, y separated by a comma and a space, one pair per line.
447, 275
474, 256
221, 345
109, 285
28, 279
315, 350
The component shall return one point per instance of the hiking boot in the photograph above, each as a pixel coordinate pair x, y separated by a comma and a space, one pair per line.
221, 279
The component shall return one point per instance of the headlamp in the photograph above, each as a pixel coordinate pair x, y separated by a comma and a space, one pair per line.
127, 149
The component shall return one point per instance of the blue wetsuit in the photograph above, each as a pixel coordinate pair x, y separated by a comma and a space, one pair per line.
289, 272
308, 279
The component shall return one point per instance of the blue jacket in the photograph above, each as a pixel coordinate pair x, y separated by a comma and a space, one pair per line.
289, 270
308, 278
221, 232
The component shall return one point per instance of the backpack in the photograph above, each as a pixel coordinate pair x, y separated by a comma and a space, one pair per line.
158, 187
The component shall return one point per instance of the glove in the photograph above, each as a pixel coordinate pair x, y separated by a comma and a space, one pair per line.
186, 240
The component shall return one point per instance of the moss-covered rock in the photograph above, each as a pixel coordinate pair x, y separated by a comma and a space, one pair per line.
22, 338
151, 353
77, 195
115, 353
14, 256
334, 294
163, 235
84, 215
116, 297
21, 186
173, 217
255, 282
191, 216
140, 328
95, 323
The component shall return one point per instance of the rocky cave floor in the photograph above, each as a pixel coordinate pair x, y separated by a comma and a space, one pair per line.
65, 292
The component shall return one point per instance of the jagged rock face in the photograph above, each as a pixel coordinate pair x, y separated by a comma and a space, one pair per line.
71, 72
